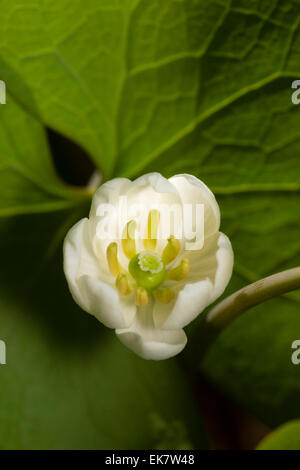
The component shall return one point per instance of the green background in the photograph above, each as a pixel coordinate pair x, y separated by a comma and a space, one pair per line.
144, 85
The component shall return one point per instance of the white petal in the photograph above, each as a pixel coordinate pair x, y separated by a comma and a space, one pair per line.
102, 301
225, 260
191, 300
78, 259
151, 343
194, 191
130, 200
109, 193
106, 199
211, 270
148, 192
87, 281
157, 182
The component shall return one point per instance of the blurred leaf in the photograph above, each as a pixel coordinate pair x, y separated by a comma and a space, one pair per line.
251, 361
68, 381
170, 435
287, 437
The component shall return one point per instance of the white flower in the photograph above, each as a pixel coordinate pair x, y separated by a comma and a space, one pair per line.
147, 288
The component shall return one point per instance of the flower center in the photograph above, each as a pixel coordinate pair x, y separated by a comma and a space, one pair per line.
148, 269
149, 261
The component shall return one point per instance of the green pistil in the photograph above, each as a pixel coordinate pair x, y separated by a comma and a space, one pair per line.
149, 261
148, 269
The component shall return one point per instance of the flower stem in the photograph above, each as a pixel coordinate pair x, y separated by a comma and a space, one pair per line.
225, 312
253, 294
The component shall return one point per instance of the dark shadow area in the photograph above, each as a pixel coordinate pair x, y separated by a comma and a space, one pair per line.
228, 426
37, 288
71, 161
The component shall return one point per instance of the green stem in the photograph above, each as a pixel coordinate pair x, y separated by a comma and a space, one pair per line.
253, 294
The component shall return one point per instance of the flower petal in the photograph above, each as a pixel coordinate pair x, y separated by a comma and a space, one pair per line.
148, 192
102, 301
157, 182
225, 260
109, 193
151, 343
194, 191
78, 258
103, 218
129, 200
211, 270
189, 302
88, 282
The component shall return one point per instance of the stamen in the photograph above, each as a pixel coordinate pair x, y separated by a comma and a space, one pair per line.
164, 295
180, 272
128, 240
123, 285
141, 297
152, 229
171, 250
112, 258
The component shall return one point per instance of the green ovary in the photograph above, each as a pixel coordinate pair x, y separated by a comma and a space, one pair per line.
148, 269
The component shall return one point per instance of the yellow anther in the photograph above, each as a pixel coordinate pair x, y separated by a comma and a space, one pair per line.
141, 297
123, 284
171, 250
112, 258
164, 295
128, 240
180, 272
152, 229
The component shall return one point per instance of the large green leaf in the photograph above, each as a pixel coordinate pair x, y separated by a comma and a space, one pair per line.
251, 359
170, 83
65, 62
287, 437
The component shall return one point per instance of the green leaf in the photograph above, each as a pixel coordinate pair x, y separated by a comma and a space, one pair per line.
68, 382
65, 62
28, 182
286, 437
251, 359
170, 85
